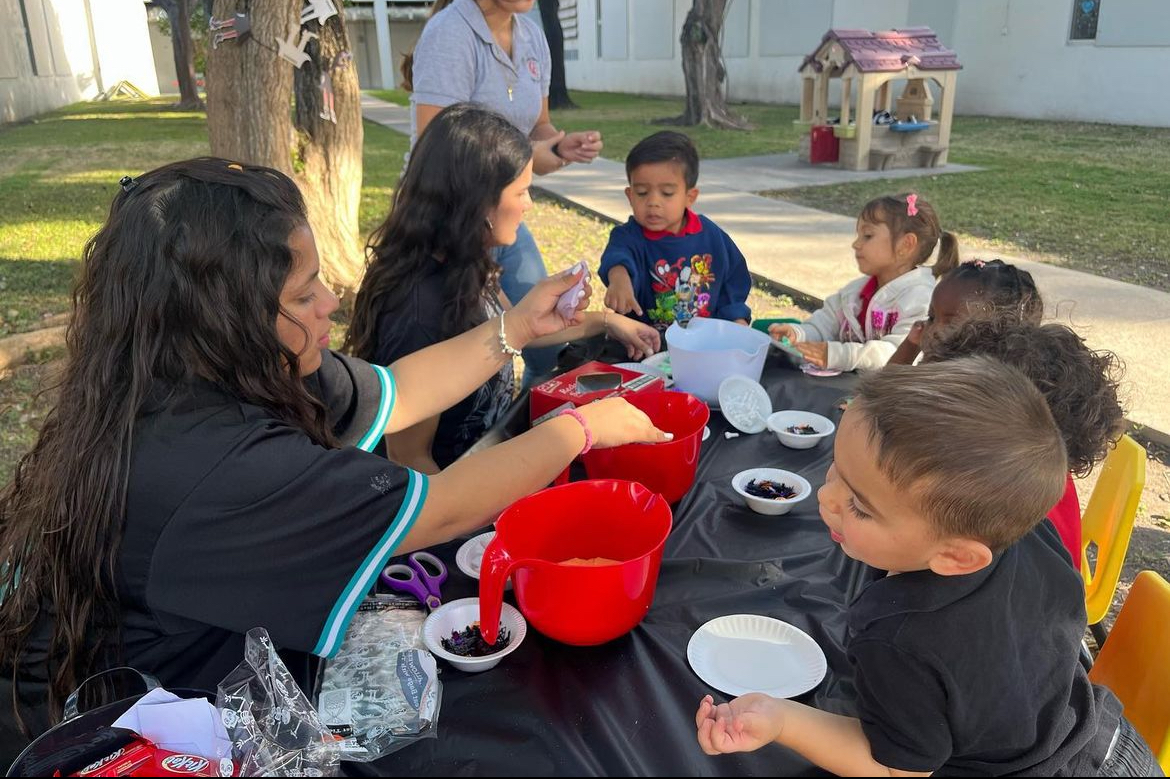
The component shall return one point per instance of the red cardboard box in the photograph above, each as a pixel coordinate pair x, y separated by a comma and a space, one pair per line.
576, 387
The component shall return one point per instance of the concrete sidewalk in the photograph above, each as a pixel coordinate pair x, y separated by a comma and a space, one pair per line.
809, 252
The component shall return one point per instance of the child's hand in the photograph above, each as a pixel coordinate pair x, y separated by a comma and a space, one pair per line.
743, 725
779, 331
641, 340
743, 322
916, 331
620, 295
816, 352
911, 346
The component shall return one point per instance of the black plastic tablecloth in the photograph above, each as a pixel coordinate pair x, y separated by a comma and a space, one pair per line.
627, 707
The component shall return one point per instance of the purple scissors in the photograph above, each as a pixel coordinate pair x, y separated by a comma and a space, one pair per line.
416, 579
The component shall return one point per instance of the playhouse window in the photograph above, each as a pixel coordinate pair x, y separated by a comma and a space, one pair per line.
1084, 20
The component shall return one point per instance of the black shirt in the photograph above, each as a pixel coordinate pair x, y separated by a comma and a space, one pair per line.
979, 675
236, 519
417, 324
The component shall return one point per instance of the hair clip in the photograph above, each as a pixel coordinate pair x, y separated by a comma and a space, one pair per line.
912, 205
235, 166
127, 183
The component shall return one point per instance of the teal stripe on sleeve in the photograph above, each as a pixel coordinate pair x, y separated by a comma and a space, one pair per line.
366, 574
385, 408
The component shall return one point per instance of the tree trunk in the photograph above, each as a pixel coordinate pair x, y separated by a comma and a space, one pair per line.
703, 70
179, 15
329, 151
250, 119
558, 92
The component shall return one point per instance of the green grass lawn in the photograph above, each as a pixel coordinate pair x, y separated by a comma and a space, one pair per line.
53, 198
626, 119
395, 96
1093, 195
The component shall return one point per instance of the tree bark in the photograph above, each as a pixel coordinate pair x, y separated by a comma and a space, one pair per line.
558, 91
703, 70
179, 15
329, 154
250, 119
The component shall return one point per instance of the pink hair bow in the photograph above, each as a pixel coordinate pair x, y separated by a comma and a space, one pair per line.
912, 205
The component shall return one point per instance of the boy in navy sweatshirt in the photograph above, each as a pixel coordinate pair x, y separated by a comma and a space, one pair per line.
667, 263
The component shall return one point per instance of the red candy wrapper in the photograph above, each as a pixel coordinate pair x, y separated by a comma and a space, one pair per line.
564, 392
142, 758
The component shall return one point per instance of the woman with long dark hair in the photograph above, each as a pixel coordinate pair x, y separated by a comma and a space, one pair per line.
494, 54
431, 274
203, 472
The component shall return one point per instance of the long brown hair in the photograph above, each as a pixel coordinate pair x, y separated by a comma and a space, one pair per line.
181, 283
463, 161
894, 212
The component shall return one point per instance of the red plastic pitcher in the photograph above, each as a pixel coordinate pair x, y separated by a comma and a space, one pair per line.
667, 468
573, 603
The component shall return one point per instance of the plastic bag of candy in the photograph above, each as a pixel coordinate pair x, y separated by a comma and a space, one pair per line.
274, 729
381, 692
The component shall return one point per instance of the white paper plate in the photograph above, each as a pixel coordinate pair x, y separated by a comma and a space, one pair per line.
470, 556
706, 432
745, 404
743, 653
813, 370
659, 362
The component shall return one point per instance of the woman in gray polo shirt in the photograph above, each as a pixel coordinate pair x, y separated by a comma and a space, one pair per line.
488, 52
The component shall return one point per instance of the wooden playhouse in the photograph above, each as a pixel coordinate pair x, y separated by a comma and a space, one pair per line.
869, 64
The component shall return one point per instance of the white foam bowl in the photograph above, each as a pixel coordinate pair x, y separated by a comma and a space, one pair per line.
780, 421
456, 616
771, 506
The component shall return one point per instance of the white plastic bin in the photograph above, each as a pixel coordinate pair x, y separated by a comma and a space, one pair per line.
707, 351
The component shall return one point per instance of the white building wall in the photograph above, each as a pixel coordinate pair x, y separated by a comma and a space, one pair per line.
1016, 55
69, 59
121, 38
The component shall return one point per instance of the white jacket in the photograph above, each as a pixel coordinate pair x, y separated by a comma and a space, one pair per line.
892, 312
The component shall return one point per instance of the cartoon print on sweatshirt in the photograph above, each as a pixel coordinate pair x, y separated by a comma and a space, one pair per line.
681, 290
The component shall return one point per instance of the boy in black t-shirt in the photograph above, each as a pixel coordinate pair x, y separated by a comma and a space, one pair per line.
966, 654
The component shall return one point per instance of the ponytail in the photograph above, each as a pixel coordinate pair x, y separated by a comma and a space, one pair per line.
948, 254
407, 71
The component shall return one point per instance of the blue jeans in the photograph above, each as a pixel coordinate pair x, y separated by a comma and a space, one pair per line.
522, 268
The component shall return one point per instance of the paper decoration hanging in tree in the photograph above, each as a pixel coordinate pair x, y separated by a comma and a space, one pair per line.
238, 27
319, 10
339, 62
295, 52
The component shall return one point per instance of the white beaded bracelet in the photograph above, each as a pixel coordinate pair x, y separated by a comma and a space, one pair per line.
504, 347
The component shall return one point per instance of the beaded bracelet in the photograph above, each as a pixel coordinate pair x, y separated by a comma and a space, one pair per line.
511, 351
575, 414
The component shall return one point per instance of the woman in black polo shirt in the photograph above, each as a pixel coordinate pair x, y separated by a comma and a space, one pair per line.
203, 471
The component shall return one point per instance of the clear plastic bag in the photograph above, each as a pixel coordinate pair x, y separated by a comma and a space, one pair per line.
274, 729
381, 692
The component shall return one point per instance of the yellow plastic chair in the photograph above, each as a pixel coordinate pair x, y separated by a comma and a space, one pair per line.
1135, 662
1108, 523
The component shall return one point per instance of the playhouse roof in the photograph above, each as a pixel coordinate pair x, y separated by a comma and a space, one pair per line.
889, 50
